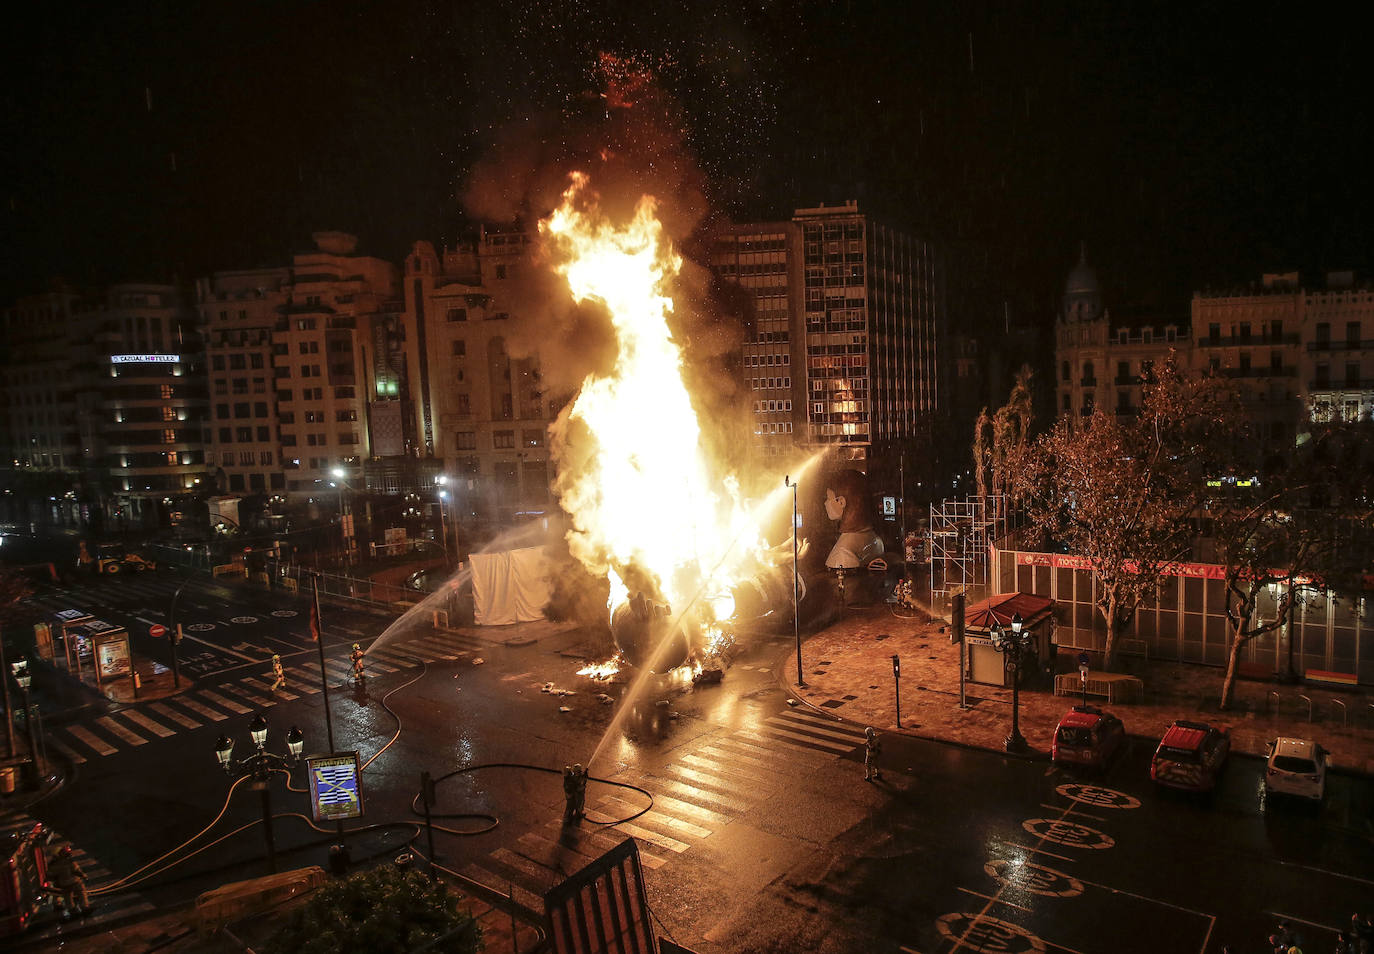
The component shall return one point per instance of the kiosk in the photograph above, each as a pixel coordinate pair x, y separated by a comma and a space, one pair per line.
986, 664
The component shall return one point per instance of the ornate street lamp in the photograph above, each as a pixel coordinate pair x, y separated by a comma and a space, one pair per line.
1013, 645
259, 767
20, 668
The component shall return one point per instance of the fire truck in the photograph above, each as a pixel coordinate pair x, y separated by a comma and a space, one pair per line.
23, 873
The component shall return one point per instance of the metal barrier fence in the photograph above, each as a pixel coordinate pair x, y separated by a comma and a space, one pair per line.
362, 591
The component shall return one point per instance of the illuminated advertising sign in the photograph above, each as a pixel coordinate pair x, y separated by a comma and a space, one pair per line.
336, 790
145, 359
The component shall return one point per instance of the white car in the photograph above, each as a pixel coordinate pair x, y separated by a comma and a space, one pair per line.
1296, 767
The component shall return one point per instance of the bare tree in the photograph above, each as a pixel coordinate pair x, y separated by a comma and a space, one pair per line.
1003, 437
1304, 534
1122, 490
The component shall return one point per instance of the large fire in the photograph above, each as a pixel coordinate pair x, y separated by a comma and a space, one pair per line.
645, 501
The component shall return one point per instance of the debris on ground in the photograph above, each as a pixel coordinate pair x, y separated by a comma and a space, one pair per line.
791, 702
478, 661
553, 690
604, 699
708, 677
662, 703
564, 709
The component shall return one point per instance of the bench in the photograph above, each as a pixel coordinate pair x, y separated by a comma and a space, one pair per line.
1116, 687
1330, 678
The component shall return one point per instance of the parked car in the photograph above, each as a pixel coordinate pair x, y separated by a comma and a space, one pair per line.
1087, 736
1296, 767
1190, 756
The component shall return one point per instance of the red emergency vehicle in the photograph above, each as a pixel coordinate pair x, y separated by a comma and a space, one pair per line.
23, 872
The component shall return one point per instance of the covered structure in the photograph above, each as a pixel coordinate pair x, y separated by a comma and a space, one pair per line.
986, 664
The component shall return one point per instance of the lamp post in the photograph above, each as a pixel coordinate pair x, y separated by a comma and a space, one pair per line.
22, 676
442, 480
1013, 645
174, 635
345, 536
259, 767
796, 618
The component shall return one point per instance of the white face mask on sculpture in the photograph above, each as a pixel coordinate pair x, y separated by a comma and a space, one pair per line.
834, 506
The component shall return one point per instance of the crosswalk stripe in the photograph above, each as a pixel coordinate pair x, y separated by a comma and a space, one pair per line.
128, 735
496, 882
698, 796
652, 837
264, 686
304, 678
613, 804
212, 714
220, 700
65, 749
133, 715
259, 702
541, 877
426, 655
793, 738
167, 712
828, 729
559, 857
395, 658
703, 780
598, 842
679, 807
751, 756
437, 645
728, 766
371, 662
96, 743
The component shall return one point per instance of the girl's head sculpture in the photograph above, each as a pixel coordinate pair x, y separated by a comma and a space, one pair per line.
846, 500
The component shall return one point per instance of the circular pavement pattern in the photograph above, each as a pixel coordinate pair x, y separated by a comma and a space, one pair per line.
243, 620
1037, 879
283, 614
978, 932
1098, 796
1068, 833
201, 627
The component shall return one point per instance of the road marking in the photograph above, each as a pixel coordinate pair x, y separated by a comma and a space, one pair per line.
167, 712
1037, 879
1068, 833
988, 897
261, 685
199, 709
133, 715
1312, 924
100, 746
220, 700
220, 649
66, 750
148, 621
1071, 811
785, 736
128, 735
305, 678
257, 700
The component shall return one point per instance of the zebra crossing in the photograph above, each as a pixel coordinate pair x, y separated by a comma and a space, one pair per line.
695, 796
99, 736
15, 824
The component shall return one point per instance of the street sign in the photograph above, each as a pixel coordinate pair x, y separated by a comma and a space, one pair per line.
157, 629
335, 787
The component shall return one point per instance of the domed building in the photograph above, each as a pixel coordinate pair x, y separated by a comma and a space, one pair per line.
1100, 356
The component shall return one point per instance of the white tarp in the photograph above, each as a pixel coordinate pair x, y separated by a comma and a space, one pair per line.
509, 587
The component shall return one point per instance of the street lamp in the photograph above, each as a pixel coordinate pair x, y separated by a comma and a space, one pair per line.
796, 580
338, 483
1013, 645
20, 668
442, 480
259, 767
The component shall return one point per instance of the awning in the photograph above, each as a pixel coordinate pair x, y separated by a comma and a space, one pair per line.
1002, 607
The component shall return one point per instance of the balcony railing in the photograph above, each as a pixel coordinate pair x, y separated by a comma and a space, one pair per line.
1340, 345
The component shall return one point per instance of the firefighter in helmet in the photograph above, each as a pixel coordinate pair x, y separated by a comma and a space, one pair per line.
358, 674
66, 876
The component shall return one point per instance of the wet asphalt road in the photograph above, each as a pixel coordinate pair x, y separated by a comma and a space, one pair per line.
762, 835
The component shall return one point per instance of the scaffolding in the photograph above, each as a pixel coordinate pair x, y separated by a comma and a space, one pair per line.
962, 530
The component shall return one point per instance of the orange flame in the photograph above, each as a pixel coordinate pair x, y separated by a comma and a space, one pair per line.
648, 497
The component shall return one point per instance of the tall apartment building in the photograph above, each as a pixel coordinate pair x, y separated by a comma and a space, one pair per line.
479, 411
292, 354
849, 318
142, 408
764, 260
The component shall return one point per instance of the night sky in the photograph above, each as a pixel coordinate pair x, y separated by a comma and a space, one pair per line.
1188, 145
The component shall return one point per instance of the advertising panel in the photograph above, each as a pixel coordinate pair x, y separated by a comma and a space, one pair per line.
336, 790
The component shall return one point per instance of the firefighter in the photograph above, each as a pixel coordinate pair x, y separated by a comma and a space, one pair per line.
574, 792
66, 876
278, 674
872, 746
358, 674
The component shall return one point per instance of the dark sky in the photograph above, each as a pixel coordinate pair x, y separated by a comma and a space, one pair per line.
1187, 144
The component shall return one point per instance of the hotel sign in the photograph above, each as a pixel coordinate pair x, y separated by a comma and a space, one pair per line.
145, 359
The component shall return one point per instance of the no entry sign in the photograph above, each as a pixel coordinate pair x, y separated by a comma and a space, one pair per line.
157, 629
